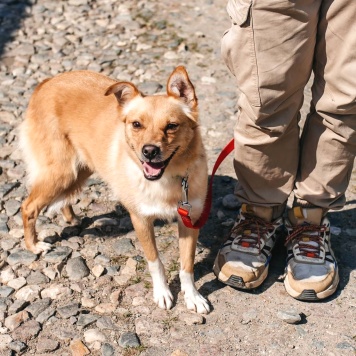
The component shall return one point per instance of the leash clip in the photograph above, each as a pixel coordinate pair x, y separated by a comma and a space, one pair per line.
185, 190
184, 207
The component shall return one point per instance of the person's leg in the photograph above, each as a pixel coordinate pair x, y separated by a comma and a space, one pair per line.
269, 49
328, 148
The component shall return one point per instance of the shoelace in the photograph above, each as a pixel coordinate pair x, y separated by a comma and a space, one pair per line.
251, 229
309, 245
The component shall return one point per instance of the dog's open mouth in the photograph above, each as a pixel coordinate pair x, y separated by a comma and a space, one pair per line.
155, 170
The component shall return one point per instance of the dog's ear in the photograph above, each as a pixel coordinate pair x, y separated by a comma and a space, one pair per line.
180, 86
123, 91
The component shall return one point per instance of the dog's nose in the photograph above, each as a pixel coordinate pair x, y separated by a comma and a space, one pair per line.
150, 151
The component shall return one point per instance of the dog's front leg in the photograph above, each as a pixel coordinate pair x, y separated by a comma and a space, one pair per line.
162, 295
187, 244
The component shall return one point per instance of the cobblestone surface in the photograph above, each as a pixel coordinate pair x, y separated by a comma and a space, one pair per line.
92, 294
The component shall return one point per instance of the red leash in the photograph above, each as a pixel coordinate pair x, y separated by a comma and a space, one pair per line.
184, 207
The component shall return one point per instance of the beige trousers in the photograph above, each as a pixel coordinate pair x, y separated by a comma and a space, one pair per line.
271, 48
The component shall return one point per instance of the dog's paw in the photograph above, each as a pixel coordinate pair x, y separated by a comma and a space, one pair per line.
163, 297
41, 247
193, 299
196, 302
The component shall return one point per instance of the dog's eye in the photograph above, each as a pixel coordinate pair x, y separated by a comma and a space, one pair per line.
136, 125
171, 127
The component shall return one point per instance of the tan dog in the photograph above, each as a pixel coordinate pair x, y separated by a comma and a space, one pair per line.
143, 146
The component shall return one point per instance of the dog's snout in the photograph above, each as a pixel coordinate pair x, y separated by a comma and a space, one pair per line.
150, 151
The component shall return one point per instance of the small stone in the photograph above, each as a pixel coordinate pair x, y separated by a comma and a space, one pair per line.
37, 277
122, 280
289, 316
88, 303
115, 296
86, 319
16, 172
344, 346
68, 310
105, 323
27, 331
78, 348
17, 346
17, 233
14, 321
23, 257
248, 316
8, 244
102, 260
56, 291
28, 293
46, 345
5, 341
105, 308
129, 339
77, 269
130, 267
50, 272
45, 315
123, 246
92, 335
36, 308
107, 350
17, 283
7, 275
17, 306
6, 291
98, 270
12, 206
192, 319
112, 270
58, 255
65, 332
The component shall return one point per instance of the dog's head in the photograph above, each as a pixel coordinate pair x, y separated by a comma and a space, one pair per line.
159, 128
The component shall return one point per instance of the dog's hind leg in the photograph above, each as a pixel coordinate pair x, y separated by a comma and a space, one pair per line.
187, 244
162, 295
44, 191
67, 210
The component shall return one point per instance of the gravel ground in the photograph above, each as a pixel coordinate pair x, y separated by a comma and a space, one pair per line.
92, 295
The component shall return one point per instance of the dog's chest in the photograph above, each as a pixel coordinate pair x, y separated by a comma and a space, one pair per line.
157, 199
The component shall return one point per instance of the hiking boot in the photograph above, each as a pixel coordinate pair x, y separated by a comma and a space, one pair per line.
243, 259
311, 271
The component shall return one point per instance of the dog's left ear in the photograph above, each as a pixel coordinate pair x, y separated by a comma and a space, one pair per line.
124, 91
180, 86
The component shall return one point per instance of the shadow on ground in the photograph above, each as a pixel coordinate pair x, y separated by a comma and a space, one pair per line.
12, 13
214, 233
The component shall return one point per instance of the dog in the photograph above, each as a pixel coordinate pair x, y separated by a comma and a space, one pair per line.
82, 122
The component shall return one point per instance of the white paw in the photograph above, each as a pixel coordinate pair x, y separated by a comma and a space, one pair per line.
163, 297
193, 299
196, 302
41, 247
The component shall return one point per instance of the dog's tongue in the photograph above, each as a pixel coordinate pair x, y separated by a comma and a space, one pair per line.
152, 169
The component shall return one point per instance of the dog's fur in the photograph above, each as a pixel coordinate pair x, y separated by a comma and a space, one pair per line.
83, 122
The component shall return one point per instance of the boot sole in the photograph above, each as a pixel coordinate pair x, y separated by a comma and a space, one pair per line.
309, 295
237, 281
